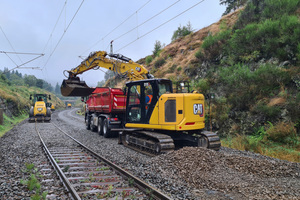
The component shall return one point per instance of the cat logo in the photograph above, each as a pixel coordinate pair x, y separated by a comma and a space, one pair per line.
198, 109
138, 69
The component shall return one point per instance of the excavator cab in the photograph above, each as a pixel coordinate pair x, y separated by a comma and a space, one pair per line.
142, 97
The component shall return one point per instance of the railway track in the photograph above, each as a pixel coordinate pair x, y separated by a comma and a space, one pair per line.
87, 175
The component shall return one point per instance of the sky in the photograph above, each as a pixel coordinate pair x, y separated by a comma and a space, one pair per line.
66, 31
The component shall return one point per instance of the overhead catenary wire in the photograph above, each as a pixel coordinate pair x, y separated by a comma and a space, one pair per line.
55, 26
11, 47
127, 19
161, 25
11, 59
63, 34
18, 66
50, 36
147, 20
117, 26
21, 53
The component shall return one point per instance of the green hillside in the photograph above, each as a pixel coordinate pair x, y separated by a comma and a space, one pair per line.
15, 102
250, 60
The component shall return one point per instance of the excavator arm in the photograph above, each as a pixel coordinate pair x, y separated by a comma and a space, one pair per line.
121, 65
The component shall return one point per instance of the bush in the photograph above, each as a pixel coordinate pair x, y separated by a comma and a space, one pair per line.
274, 8
202, 86
270, 112
241, 84
181, 32
283, 132
199, 54
149, 60
160, 62
220, 110
172, 69
269, 78
213, 45
271, 38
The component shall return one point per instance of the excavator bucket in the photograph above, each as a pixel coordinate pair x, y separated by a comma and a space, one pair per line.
75, 88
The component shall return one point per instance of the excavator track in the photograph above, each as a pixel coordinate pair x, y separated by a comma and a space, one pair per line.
209, 140
149, 143
153, 143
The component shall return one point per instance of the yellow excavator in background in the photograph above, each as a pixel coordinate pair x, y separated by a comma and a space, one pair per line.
156, 119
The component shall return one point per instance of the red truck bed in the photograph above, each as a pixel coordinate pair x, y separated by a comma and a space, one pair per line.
107, 100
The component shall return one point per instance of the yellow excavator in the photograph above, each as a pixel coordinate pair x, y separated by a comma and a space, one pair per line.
156, 119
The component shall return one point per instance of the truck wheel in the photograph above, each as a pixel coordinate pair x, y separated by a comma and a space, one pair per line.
88, 123
92, 125
48, 112
106, 129
31, 112
100, 126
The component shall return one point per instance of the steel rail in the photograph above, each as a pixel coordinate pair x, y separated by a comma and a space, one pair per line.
58, 170
156, 194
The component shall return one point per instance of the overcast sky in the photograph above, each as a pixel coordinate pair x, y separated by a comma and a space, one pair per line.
28, 26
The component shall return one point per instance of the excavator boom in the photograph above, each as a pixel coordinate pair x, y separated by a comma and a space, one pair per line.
121, 65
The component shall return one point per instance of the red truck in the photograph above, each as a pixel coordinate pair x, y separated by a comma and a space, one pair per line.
105, 110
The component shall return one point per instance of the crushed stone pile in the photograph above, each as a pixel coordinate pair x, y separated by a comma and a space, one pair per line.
238, 176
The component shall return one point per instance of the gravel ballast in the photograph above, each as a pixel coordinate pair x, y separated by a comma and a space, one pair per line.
188, 173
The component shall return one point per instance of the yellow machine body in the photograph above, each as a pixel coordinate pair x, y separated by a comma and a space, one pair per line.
188, 115
40, 108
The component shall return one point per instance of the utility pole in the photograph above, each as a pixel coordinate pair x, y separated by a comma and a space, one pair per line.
1, 116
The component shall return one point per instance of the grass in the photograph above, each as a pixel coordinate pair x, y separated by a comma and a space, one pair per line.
33, 183
271, 149
279, 141
9, 123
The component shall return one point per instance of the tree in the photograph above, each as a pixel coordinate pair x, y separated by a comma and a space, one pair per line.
181, 32
18, 74
157, 48
39, 83
30, 80
47, 86
57, 89
108, 74
232, 5
6, 72
100, 83
16, 80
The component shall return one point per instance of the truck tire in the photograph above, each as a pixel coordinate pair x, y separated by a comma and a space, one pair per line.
48, 112
92, 125
100, 126
88, 123
106, 129
31, 112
